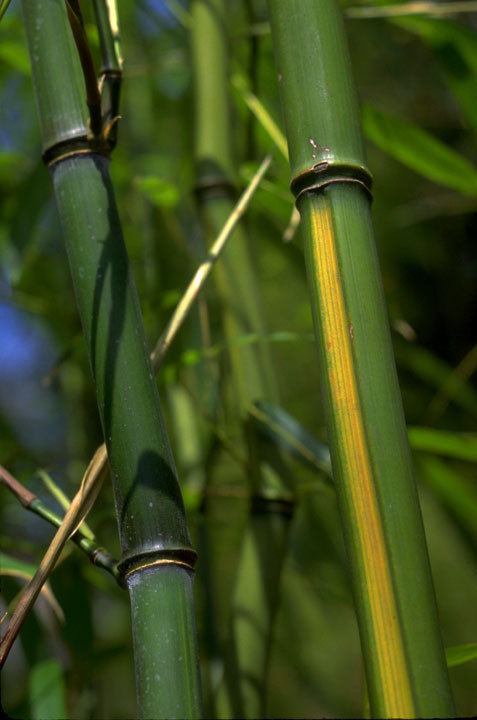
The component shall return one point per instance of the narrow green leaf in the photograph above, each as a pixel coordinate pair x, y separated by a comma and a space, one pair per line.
461, 446
12, 566
63, 500
260, 112
4, 7
431, 369
47, 691
460, 654
420, 151
289, 434
448, 485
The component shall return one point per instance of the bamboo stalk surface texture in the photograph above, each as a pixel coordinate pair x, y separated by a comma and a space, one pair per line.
157, 558
402, 647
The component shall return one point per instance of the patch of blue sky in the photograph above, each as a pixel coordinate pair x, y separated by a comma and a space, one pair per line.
155, 15
18, 121
34, 412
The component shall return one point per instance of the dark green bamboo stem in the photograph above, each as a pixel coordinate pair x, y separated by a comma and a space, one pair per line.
393, 589
154, 538
243, 691
111, 68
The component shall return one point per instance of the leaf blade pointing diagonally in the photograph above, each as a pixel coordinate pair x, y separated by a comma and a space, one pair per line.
288, 433
460, 654
79, 508
63, 500
420, 151
12, 567
260, 112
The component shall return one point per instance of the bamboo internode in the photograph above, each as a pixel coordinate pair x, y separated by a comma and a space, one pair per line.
149, 506
372, 469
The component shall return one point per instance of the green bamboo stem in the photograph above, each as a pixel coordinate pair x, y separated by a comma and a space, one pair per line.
154, 539
94, 474
242, 692
393, 589
216, 177
111, 69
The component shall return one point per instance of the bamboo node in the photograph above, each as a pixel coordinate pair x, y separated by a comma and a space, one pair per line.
319, 176
157, 562
73, 147
214, 186
181, 557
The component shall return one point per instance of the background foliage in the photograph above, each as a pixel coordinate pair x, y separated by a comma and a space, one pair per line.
417, 78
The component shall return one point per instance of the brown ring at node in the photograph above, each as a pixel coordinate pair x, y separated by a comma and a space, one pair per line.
323, 174
157, 563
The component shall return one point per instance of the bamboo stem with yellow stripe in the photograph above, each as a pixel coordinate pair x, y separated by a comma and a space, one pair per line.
394, 596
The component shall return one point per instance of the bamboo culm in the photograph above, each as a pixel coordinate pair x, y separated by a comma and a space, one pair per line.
157, 557
251, 614
394, 596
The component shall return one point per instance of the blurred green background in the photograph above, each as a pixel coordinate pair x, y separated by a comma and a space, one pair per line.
417, 80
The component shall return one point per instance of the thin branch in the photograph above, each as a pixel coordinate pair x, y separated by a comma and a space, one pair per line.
98, 555
456, 380
111, 69
93, 97
80, 506
91, 483
429, 9
204, 269
432, 9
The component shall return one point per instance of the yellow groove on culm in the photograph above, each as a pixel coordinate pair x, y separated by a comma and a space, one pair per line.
337, 334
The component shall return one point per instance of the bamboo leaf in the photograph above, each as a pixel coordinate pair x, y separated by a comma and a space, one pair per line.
289, 434
46, 692
448, 485
258, 109
420, 151
461, 446
385, 9
4, 4
12, 567
431, 369
196, 284
63, 500
79, 508
461, 654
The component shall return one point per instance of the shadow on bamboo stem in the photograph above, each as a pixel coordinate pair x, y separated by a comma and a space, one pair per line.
149, 507
97, 466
